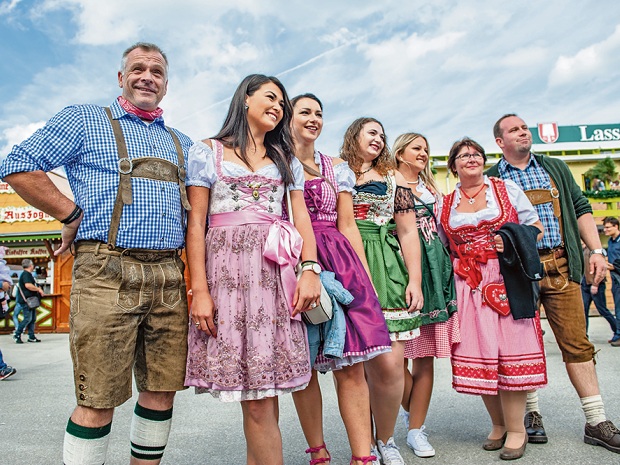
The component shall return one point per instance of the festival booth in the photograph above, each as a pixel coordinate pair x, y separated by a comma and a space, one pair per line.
30, 233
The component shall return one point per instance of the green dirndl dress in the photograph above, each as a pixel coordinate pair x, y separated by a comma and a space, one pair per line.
437, 278
374, 210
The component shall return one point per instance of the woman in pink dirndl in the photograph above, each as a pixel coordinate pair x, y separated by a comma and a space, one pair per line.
499, 358
247, 342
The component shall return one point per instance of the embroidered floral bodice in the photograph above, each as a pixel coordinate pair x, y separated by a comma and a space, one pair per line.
233, 186
374, 200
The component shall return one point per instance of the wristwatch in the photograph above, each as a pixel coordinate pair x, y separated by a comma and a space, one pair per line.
312, 266
602, 252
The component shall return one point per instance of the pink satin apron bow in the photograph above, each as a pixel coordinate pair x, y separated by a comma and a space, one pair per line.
282, 246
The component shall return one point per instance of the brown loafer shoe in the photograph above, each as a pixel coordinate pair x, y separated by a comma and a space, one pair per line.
494, 444
513, 454
604, 434
534, 428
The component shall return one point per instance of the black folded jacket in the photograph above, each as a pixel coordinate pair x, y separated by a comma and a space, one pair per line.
520, 266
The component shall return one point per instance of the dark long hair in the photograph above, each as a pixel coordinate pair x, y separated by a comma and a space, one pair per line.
309, 95
235, 131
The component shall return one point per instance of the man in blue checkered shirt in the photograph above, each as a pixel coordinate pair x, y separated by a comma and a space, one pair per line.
567, 217
128, 301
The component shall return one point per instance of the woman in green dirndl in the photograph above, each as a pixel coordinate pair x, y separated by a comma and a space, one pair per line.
440, 325
383, 205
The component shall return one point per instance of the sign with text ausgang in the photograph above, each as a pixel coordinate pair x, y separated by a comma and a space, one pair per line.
550, 133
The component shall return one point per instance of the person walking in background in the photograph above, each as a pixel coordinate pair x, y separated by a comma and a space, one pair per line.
566, 216
440, 324
26, 287
611, 228
384, 203
595, 292
328, 194
127, 173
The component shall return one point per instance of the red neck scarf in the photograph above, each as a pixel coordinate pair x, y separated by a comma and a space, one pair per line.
142, 114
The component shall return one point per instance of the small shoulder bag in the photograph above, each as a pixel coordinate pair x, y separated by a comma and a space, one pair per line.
324, 311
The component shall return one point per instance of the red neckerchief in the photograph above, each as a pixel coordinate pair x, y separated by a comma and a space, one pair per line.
142, 114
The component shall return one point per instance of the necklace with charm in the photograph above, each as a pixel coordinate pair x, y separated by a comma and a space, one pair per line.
366, 171
472, 199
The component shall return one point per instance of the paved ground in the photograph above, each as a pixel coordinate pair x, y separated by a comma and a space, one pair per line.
37, 401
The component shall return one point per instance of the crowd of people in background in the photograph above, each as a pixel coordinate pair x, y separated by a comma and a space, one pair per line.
274, 228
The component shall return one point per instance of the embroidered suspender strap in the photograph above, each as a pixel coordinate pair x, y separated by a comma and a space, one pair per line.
124, 195
144, 167
540, 196
182, 172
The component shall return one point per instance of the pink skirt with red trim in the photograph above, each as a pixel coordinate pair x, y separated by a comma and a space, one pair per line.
496, 352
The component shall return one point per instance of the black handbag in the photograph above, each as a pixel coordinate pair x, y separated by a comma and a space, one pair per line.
32, 302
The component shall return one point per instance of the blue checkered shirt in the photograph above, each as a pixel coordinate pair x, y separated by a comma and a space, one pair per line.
535, 177
80, 138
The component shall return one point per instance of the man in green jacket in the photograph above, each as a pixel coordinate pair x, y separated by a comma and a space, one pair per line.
567, 217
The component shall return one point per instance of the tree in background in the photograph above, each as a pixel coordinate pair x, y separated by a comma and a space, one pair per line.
605, 170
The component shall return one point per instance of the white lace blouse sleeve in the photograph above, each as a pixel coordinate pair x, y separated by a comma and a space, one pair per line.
200, 166
345, 177
527, 212
298, 175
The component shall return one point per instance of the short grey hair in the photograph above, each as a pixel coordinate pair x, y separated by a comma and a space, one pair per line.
27, 263
149, 47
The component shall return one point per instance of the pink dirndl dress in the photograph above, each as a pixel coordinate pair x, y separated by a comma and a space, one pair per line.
260, 350
496, 352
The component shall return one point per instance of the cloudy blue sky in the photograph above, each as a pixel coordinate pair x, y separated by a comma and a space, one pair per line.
444, 68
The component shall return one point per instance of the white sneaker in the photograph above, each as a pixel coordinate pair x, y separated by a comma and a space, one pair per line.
389, 452
417, 439
405, 416
374, 451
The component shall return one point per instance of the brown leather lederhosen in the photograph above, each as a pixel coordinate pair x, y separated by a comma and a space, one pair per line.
143, 167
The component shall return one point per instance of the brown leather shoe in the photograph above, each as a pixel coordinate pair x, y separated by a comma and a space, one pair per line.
604, 434
513, 454
534, 428
494, 444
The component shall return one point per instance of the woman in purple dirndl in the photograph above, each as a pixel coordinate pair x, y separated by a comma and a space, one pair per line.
328, 188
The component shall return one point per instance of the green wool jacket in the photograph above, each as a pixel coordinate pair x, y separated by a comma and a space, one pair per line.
573, 204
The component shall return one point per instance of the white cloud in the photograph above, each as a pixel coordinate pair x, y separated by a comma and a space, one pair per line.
15, 134
7, 7
592, 61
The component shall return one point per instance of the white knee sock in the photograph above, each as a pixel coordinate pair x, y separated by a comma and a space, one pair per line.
593, 409
531, 405
149, 432
85, 446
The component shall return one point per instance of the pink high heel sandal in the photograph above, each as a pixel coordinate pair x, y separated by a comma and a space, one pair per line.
364, 460
314, 450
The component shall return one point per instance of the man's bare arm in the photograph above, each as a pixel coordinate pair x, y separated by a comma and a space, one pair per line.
36, 188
